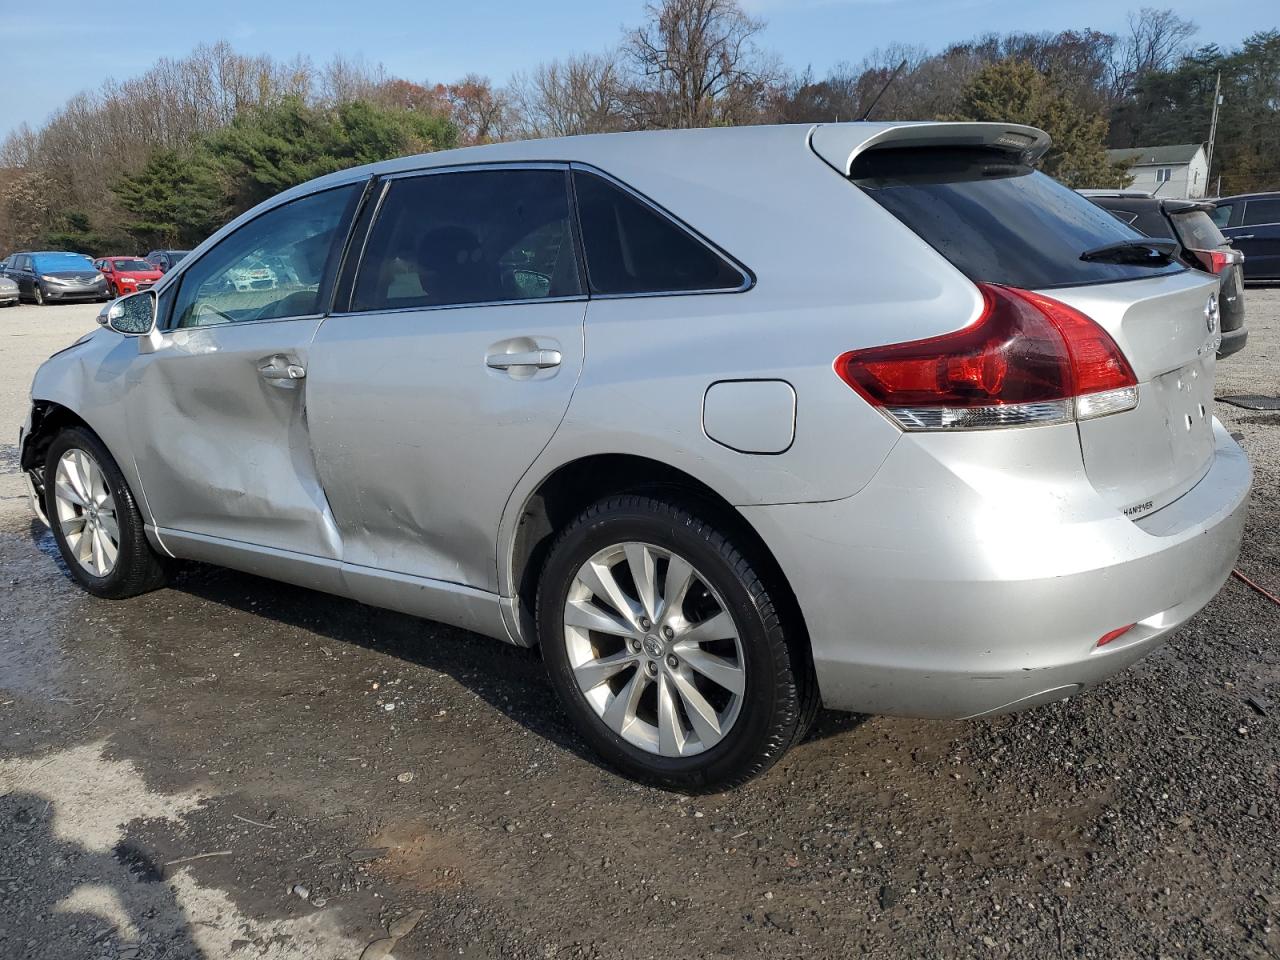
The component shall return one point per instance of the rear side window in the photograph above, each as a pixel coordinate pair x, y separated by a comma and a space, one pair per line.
1261, 211
1221, 215
997, 219
483, 236
631, 247
1197, 231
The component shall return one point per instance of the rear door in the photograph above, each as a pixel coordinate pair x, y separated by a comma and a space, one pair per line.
449, 366
1000, 221
1257, 236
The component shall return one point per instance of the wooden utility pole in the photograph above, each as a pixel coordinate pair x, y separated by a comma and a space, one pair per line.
1213, 130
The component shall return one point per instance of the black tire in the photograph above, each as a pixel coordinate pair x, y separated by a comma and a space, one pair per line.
138, 568
38, 295
780, 699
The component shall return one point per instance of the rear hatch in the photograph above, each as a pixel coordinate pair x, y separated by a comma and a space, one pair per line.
998, 220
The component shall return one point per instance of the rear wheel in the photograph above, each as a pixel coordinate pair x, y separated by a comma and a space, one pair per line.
96, 521
666, 647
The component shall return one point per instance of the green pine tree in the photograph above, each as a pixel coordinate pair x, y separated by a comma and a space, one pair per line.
1013, 91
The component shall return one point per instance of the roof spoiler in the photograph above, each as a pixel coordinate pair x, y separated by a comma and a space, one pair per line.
839, 144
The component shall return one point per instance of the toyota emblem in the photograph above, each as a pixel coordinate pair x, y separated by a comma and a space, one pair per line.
1211, 313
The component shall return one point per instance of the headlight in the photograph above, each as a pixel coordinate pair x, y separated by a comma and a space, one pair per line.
99, 278
50, 279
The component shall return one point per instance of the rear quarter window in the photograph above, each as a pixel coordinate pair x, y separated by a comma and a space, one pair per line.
997, 219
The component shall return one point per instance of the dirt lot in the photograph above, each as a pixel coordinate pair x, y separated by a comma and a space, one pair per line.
236, 768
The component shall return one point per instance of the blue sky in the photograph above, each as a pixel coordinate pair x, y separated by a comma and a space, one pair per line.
44, 59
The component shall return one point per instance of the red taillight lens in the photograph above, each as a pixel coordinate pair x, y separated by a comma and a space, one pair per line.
1022, 361
1215, 261
1115, 634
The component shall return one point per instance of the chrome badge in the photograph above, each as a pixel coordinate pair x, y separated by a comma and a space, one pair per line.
1211, 313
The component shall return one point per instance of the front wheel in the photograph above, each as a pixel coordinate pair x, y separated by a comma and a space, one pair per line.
96, 521
668, 649
38, 294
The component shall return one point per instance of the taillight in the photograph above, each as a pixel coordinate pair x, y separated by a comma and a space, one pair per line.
1215, 261
1027, 359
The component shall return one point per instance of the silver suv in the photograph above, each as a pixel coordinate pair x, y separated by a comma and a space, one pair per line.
732, 423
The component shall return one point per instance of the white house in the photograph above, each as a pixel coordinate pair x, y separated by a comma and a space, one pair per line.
1180, 171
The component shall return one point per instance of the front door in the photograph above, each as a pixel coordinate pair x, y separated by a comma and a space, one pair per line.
218, 418
450, 368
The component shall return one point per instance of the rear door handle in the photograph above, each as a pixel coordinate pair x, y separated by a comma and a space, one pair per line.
539, 359
280, 368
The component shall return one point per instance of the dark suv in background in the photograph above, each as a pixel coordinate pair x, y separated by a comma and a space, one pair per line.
1190, 224
1251, 222
166, 260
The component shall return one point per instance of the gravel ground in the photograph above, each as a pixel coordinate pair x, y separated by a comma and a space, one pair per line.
237, 768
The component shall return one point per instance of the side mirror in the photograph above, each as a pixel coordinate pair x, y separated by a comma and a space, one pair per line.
134, 315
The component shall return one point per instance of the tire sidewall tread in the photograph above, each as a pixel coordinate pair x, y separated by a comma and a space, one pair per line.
780, 701
139, 569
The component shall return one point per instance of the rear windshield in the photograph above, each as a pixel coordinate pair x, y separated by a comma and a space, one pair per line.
996, 219
1197, 231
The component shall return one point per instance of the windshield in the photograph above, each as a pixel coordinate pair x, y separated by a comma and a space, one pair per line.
127, 266
997, 219
176, 255
62, 263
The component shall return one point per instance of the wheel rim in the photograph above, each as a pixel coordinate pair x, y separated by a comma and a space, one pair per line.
86, 512
654, 649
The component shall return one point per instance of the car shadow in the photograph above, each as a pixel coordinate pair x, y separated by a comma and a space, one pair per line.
508, 678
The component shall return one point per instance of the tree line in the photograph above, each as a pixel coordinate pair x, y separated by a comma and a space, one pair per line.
166, 157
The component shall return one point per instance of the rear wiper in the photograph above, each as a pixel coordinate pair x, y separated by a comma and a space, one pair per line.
1143, 253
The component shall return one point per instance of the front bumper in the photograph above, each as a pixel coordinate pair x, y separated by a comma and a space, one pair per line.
957, 585
52, 292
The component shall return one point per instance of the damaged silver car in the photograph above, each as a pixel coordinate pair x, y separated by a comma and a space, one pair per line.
732, 423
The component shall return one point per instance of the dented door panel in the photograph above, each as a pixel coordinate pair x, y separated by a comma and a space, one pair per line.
222, 449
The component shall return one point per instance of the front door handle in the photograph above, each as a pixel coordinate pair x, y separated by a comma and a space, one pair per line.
280, 368
1243, 236
538, 359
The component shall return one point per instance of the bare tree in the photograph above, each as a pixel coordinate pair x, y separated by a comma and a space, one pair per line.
1156, 39
698, 64
482, 113
581, 94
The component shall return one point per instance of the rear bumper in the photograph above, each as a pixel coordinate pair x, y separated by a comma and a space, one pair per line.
950, 587
1233, 341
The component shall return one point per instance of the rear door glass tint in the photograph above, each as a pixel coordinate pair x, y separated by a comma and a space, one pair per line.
1261, 211
997, 219
633, 248
481, 236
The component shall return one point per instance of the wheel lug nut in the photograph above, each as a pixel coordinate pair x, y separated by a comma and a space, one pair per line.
645, 623
668, 633
672, 662
635, 646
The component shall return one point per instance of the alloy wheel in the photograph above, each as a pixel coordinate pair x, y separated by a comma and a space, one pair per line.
86, 512
654, 649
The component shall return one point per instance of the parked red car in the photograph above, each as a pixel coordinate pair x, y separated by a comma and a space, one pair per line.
127, 274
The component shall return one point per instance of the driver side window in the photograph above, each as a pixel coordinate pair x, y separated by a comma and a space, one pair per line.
273, 267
